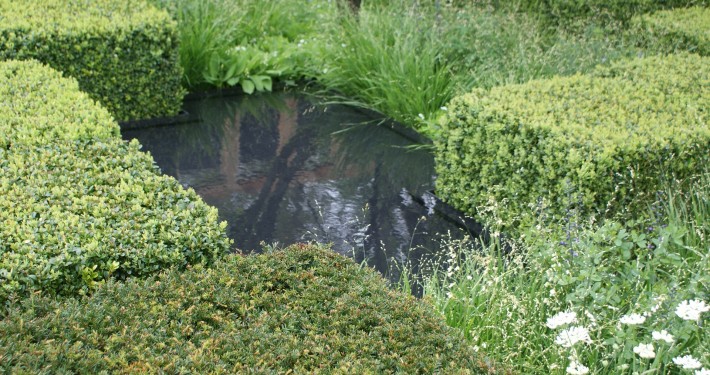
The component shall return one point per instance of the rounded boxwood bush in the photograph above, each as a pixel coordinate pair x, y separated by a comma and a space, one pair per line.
302, 310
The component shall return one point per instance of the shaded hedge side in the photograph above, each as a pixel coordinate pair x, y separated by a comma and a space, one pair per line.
303, 309
77, 204
600, 143
124, 53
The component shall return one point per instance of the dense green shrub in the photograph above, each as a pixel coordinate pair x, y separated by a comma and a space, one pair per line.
122, 52
677, 29
598, 143
70, 114
77, 204
304, 309
567, 12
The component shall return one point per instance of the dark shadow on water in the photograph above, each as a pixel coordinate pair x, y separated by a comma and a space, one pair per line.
281, 169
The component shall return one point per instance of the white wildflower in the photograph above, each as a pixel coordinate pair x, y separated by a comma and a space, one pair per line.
702, 371
632, 319
421, 116
560, 319
645, 351
568, 337
444, 108
576, 368
691, 310
687, 362
662, 336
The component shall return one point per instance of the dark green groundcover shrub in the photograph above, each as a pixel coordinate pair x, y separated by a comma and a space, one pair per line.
598, 143
677, 29
303, 309
124, 53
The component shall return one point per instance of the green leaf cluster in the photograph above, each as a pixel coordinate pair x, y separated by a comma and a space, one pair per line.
599, 143
300, 310
124, 53
678, 29
77, 204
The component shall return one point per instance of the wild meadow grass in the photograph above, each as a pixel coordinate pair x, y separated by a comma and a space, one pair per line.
407, 59
611, 297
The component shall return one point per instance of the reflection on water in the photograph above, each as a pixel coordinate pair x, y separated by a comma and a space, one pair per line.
281, 169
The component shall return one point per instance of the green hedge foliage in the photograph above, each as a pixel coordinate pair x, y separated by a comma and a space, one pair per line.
124, 53
597, 143
77, 204
302, 310
677, 29
565, 12
52, 108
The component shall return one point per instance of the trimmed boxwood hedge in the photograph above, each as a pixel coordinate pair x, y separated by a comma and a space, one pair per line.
597, 142
124, 53
677, 29
567, 12
79, 205
304, 309
39, 106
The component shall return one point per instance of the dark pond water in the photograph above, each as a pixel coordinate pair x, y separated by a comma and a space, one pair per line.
281, 169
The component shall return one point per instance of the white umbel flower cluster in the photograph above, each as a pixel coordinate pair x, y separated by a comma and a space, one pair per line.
691, 309
687, 362
576, 368
632, 319
560, 319
568, 337
662, 336
645, 351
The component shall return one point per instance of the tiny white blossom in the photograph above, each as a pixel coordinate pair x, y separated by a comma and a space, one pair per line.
421, 116
576, 368
444, 108
691, 310
645, 351
568, 337
662, 336
702, 371
560, 319
632, 319
687, 362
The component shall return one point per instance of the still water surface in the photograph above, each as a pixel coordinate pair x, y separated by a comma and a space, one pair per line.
282, 169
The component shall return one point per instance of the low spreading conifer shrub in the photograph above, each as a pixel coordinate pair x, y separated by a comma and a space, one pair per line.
303, 310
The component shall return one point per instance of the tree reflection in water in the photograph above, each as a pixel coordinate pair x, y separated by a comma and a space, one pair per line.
282, 169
